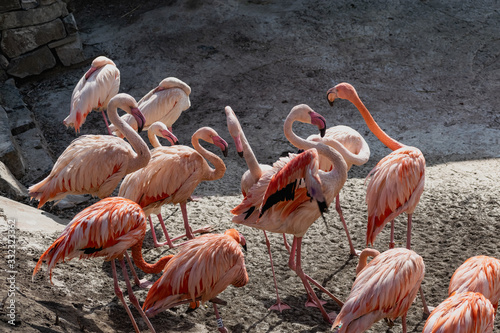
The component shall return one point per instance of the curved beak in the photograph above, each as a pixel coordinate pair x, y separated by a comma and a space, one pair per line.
331, 94
139, 118
221, 143
243, 242
238, 144
170, 137
318, 120
89, 72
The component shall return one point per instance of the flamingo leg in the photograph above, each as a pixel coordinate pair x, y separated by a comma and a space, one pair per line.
391, 242
279, 305
220, 324
119, 294
170, 241
144, 283
353, 251
106, 121
132, 297
408, 232
155, 240
286, 244
189, 232
403, 319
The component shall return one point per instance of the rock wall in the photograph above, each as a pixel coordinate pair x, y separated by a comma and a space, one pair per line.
36, 35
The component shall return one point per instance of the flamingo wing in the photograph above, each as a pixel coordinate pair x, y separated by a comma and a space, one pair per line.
396, 184
467, 312
93, 93
105, 229
92, 164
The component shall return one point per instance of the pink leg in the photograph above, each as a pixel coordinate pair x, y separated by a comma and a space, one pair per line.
220, 324
141, 283
408, 233
155, 240
170, 241
189, 232
391, 242
286, 244
339, 210
279, 305
106, 121
119, 294
132, 297
403, 319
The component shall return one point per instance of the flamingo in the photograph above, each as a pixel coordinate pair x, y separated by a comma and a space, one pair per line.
172, 175
278, 203
467, 312
95, 164
203, 268
164, 103
106, 229
358, 153
93, 92
397, 181
249, 178
384, 288
478, 274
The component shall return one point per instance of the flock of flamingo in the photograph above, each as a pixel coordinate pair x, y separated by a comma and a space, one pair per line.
286, 198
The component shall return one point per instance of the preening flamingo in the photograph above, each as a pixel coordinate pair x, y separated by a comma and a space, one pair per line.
203, 268
164, 103
466, 312
279, 203
384, 288
106, 229
95, 164
93, 92
397, 181
478, 274
358, 153
173, 174
249, 178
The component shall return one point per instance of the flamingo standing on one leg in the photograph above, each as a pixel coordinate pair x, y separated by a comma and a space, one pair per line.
203, 268
249, 178
466, 312
385, 288
95, 164
278, 203
478, 274
172, 175
106, 229
93, 92
164, 103
358, 154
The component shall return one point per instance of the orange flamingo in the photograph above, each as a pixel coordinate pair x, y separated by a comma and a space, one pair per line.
467, 312
164, 103
249, 178
172, 175
203, 268
397, 181
95, 164
93, 92
106, 229
385, 288
279, 203
358, 153
478, 274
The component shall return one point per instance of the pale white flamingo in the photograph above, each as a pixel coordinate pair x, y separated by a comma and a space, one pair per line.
164, 103
203, 268
93, 92
279, 203
466, 312
478, 274
358, 153
384, 288
173, 174
95, 164
106, 229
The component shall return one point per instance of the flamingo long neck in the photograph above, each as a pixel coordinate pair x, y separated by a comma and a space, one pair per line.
373, 126
363, 258
349, 157
252, 163
220, 167
143, 265
153, 139
140, 147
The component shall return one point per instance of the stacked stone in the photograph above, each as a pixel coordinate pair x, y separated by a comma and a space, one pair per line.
34, 35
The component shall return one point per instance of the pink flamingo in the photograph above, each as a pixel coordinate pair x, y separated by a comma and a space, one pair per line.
478, 274
172, 175
249, 178
385, 288
466, 312
358, 153
95, 164
93, 92
106, 229
279, 203
164, 103
203, 268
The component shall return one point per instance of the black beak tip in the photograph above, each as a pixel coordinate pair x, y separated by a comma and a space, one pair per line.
224, 152
322, 132
240, 153
176, 142
330, 102
139, 129
245, 248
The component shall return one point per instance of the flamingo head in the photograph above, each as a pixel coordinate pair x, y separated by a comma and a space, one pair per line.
221, 143
318, 120
233, 125
160, 129
139, 118
233, 233
342, 90
97, 63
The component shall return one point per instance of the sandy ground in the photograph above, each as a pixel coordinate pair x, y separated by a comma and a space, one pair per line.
426, 70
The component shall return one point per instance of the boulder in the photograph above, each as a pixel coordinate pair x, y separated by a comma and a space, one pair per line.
71, 53
32, 63
10, 152
8, 5
10, 186
34, 16
20, 119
